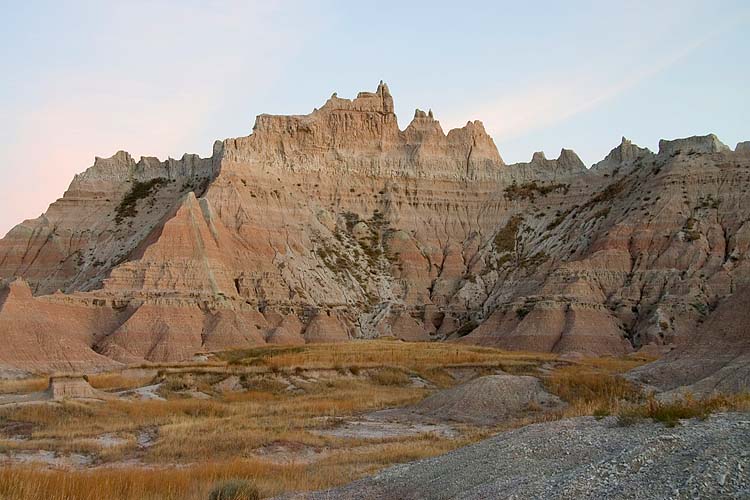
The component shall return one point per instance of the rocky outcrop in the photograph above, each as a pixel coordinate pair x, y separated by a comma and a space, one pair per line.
705, 144
714, 359
620, 159
488, 400
62, 387
337, 225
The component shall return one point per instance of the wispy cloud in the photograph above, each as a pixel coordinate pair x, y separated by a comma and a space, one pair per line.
563, 95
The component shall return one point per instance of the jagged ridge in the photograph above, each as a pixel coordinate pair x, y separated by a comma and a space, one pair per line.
337, 225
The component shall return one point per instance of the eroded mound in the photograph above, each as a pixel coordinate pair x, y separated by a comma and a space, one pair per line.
488, 400
71, 387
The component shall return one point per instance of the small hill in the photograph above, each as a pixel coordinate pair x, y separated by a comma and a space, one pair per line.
488, 400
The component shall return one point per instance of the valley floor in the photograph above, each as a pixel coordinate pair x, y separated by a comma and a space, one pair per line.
307, 418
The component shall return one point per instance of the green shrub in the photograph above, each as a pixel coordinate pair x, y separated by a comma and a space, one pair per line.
390, 376
140, 190
671, 412
530, 190
235, 490
521, 312
600, 413
505, 239
626, 418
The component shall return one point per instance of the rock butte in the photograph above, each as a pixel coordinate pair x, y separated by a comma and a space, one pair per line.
337, 225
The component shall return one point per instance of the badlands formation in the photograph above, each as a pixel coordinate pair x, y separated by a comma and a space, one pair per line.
338, 225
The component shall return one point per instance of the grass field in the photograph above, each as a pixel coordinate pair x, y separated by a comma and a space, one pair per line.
263, 414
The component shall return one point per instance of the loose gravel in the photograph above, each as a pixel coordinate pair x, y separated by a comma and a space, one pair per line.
578, 458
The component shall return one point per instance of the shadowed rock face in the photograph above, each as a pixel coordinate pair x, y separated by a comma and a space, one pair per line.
338, 225
714, 359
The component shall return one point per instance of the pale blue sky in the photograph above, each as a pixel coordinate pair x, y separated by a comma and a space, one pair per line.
84, 79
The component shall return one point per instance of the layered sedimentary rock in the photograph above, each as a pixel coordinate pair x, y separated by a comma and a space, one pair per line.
713, 359
337, 225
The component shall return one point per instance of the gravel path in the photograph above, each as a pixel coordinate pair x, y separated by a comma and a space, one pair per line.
578, 458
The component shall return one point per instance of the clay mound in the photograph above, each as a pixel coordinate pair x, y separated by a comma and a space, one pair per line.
61, 387
715, 359
326, 328
488, 400
45, 335
72, 387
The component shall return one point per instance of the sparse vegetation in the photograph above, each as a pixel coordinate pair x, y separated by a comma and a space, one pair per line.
558, 219
522, 311
390, 376
608, 194
595, 385
530, 190
505, 239
128, 206
670, 413
210, 448
235, 490
200, 443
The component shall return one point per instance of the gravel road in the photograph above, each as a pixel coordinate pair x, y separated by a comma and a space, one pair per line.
578, 458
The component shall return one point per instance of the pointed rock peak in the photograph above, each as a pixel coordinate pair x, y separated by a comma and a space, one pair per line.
538, 157
475, 137
423, 123
119, 158
421, 115
695, 144
627, 151
383, 89
569, 158
190, 199
187, 204
568, 154
476, 125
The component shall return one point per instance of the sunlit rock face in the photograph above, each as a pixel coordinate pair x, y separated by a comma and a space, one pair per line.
337, 225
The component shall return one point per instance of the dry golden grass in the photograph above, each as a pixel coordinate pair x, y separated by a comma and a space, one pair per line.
378, 353
202, 442
195, 482
594, 386
671, 412
119, 381
25, 385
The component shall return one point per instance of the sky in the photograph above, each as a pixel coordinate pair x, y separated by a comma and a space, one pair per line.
161, 78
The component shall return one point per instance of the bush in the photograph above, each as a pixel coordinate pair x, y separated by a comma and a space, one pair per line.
600, 413
627, 418
529, 190
505, 239
390, 376
235, 490
670, 413
127, 207
578, 384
